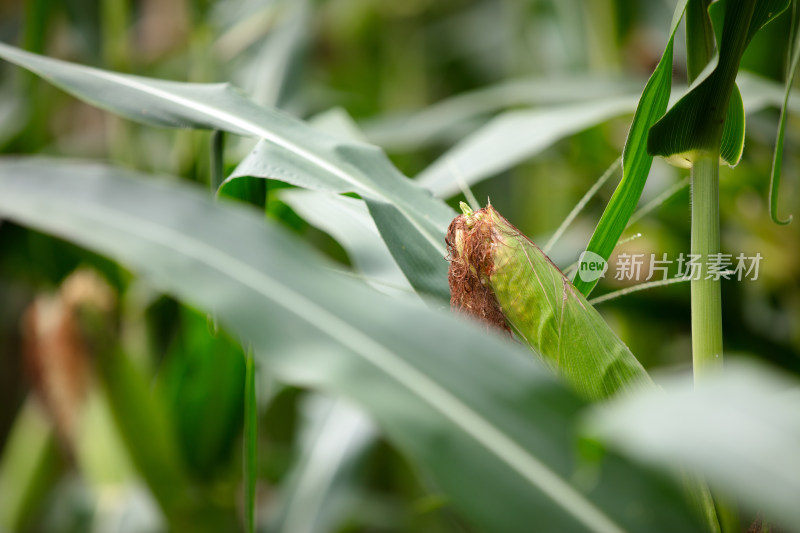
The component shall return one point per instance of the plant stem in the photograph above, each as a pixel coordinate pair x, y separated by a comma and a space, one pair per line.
706, 294
250, 442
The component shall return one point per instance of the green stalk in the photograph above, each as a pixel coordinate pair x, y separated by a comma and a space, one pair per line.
250, 443
706, 295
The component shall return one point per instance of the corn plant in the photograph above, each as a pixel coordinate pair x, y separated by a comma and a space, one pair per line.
521, 409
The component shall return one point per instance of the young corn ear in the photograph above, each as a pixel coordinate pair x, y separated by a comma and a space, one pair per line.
502, 278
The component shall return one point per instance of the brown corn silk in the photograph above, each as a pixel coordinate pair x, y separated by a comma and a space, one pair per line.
502, 278
469, 251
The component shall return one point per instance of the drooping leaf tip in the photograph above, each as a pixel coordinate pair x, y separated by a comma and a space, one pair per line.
778, 221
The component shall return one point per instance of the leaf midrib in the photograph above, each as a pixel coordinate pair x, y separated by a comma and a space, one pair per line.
245, 125
473, 424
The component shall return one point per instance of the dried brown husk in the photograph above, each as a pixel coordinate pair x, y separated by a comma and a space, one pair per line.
56, 353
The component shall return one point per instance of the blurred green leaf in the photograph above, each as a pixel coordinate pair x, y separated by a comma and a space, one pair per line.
268, 52
202, 378
512, 137
464, 405
146, 428
318, 494
250, 444
28, 465
454, 117
759, 92
740, 431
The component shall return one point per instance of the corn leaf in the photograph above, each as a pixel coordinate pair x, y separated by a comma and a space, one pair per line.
291, 151
777, 159
690, 125
463, 405
636, 161
740, 431
451, 119
348, 221
29, 466
512, 137
321, 490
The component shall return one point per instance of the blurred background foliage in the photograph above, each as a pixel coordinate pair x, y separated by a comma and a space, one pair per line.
418, 76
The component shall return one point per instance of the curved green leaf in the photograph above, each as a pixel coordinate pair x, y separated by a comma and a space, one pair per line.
318, 493
464, 405
451, 119
740, 431
291, 151
250, 467
777, 158
693, 124
732, 144
636, 161
348, 221
512, 137
28, 465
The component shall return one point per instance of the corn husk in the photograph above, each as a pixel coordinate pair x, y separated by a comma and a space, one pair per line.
502, 278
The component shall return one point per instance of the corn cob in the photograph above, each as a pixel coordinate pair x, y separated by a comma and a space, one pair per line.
502, 278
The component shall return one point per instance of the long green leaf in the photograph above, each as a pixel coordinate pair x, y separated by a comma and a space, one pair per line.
777, 158
456, 116
28, 466
317, 496
145, 427
348, 221
691, 125
740, 431
250, 466
466, 406
410, 220
291, 151
512, 137
636, 161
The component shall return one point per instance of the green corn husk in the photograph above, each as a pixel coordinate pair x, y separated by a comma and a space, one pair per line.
501, 277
